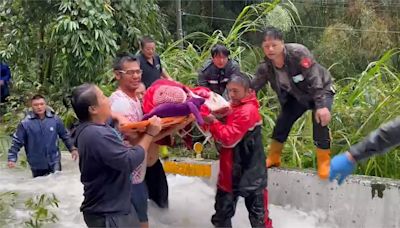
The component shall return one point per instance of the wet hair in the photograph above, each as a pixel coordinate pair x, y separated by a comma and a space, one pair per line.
82, 98
37, 97
145, 40
240, 79
219, 49
122, 58
272, 32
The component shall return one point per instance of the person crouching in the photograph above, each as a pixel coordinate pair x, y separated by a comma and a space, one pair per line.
242, 170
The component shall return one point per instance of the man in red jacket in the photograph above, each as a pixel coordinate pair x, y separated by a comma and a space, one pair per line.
243, 170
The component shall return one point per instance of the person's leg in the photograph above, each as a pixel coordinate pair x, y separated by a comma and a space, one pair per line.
225, 206
157, 184
40, 172
322, 140
255, 206
122, 221
56, 167
139, 198
291, 111
94, 220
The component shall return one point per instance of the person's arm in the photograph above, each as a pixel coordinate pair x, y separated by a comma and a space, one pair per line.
18, 140
260, 79
230, 134
165, 75
66, 138
378, 142
201, 80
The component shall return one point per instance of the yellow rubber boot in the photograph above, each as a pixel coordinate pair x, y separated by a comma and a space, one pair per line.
274, 154
323, 162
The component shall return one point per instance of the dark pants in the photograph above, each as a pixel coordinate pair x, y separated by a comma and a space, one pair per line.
157, 184
225, 207
291, 111
45, 172
107, 221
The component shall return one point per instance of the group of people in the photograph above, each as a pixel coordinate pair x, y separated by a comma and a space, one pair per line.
121, 170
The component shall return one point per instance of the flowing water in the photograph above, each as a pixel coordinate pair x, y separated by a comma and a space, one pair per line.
191, 201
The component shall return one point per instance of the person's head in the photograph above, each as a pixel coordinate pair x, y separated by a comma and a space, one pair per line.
219, 55
38, 104
89, 103
238, 87
272, 43
140, 91
127, 72
147, 47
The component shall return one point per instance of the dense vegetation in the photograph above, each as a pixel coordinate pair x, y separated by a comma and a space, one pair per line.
75, 41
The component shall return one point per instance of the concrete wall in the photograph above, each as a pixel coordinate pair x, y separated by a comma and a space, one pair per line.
361, 201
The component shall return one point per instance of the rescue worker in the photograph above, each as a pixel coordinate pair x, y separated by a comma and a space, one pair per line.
217, 71
301, 84
242, 170
378, 142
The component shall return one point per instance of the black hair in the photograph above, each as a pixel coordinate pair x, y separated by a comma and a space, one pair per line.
82, 98
241, 79
272, 32
37, 97
145, 40
122, 58
219, 49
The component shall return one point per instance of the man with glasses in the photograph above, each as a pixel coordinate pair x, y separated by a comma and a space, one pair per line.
125, 101
150, 62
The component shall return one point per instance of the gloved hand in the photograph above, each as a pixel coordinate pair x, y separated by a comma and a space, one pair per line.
342, 165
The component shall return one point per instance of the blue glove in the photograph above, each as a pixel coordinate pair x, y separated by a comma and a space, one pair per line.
341, 167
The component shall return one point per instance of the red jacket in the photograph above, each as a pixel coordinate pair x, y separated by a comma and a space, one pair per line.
242, 124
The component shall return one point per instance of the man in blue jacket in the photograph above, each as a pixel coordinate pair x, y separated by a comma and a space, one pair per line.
39, 133
5, 76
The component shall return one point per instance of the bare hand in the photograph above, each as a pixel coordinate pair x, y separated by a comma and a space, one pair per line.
11, 164
74, 155
155, 126
323, 116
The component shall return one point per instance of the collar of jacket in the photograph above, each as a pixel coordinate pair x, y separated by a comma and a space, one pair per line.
32, 115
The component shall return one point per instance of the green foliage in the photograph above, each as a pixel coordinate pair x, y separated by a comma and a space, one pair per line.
7, 202
40, 207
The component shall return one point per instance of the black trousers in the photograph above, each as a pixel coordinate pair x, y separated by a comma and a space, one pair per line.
225, 207
108, 221
45, 172
157, 184
291, 111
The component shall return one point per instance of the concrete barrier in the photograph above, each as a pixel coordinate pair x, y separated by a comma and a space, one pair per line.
361, 201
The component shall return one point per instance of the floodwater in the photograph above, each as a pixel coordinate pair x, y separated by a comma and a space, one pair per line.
191, 201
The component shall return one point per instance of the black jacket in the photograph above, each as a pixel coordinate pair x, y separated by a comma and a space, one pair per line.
309, 81
215, 78
378, 142
106, 164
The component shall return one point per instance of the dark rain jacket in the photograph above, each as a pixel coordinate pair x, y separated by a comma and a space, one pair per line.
309, 81
242, 158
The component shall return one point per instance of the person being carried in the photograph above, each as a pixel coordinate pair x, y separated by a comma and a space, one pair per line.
106, 162
39, 133
242, 169
378, 142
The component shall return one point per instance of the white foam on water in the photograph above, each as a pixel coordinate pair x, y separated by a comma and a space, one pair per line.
191, 201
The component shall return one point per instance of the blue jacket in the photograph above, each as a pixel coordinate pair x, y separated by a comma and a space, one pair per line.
40, 139
5, 76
